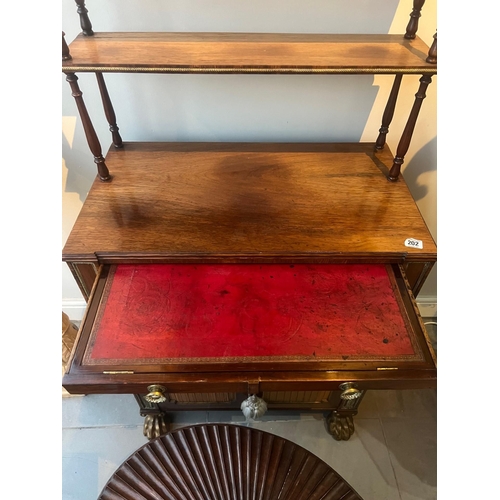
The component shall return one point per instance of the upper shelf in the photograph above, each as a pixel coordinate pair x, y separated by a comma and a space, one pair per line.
248, 53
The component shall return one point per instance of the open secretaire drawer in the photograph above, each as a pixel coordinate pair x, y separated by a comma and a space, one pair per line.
250, 328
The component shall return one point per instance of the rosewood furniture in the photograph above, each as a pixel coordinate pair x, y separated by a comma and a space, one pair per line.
228, 275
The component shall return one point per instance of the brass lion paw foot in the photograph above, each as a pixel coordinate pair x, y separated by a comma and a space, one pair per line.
341, 427
155, 425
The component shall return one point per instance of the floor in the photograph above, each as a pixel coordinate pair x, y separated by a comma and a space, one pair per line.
391, 456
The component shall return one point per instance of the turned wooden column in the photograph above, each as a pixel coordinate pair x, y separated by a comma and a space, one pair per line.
84, 18
93, 141
433, 51
388, 113
109, 111
66, 56
411, 29
404, 142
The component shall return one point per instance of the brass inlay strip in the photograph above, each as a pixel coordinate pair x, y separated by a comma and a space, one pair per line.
118, 372
247, 70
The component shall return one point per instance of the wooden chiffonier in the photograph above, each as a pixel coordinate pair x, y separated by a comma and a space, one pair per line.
249, 275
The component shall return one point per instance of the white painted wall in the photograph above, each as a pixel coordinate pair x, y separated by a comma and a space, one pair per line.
247, 107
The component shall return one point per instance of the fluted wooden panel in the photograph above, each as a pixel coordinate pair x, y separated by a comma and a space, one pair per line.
208, 397
224, 462
296, 396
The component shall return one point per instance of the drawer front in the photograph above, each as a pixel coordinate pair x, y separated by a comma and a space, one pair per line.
195, 327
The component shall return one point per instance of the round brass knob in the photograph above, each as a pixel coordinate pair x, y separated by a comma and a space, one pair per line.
349, 391
156, 394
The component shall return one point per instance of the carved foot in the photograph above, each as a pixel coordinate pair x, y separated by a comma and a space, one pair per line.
155, 425
339, 423
341, 427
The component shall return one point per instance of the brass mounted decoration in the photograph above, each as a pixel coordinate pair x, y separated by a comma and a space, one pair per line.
156, 394
340, 421
253, 407
340, 427
155, 425
350, 392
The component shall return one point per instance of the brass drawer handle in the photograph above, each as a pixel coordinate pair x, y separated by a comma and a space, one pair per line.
156, 394
349, 391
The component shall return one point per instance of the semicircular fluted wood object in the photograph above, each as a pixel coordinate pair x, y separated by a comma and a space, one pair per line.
225, 462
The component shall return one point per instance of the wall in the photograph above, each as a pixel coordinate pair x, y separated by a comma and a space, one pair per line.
247, 108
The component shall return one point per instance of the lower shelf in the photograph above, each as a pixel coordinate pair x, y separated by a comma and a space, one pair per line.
248, 202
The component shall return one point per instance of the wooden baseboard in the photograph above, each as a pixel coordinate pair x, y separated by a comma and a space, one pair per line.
74, 308
427, 307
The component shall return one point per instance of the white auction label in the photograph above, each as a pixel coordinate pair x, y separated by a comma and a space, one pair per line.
413, 243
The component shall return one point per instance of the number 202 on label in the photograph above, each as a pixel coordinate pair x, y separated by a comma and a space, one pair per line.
413, 243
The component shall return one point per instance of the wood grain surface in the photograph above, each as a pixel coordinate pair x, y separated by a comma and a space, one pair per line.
137, 383
248, 53
219, 461
233, 202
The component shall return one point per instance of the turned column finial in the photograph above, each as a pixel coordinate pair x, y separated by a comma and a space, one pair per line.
90, 134
84, 18
66, 56
109, 111
404, 142
433, 51
388, 113
411, 29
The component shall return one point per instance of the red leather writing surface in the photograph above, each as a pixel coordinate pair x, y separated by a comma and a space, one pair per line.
186, 311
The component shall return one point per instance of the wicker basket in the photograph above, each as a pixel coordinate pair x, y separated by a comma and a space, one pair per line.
69, 332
